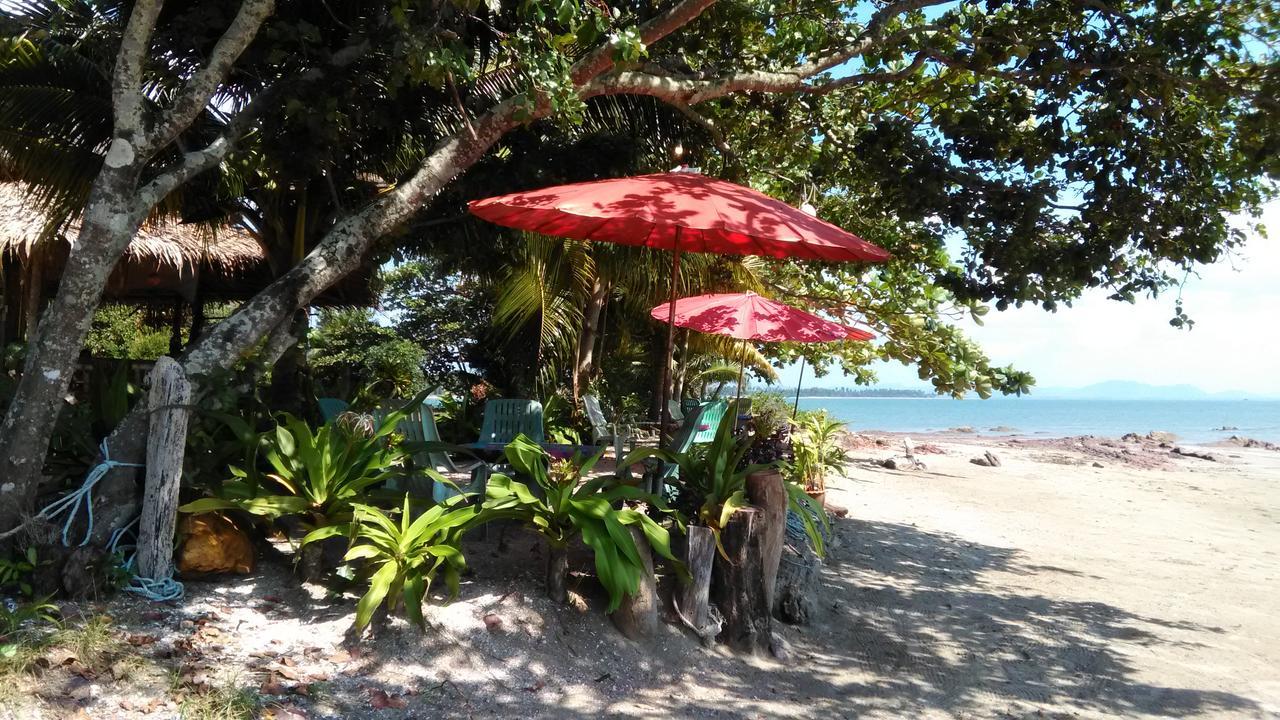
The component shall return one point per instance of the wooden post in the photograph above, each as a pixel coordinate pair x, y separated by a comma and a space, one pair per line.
170, 394
637, 616
693, 599
737, 585
765, 491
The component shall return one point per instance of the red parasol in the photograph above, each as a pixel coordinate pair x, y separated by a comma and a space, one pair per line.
681, 212
749, 316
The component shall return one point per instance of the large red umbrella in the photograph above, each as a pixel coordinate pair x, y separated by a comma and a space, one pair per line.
748, 316
681, 212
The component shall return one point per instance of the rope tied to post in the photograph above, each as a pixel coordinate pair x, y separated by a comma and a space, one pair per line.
83, 495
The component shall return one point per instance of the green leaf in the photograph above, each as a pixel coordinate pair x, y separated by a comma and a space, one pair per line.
379, 584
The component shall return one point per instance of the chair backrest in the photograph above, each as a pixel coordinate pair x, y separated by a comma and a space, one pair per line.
699, 427
331, 408
707, 420
744, 406
595, 415
505, 419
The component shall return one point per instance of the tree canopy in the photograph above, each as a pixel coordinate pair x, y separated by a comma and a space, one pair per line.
1004, 152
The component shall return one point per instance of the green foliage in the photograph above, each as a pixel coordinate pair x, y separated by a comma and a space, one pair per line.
563, 507
816, 446
16, 570
24, 624
559, 421
349, 349
124, 332
318, 474
404, 557
770, 412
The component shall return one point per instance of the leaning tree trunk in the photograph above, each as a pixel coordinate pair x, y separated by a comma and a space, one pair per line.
109, 224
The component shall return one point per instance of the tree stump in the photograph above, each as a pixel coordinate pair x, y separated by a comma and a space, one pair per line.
637, 616
170, 394
738, 586
765, 491
557, 575
693, 599
795, 593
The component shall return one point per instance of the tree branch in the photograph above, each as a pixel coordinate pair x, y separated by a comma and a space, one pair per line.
601, 59
195, 95
126, 85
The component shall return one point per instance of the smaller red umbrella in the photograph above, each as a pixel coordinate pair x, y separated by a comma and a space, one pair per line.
749, 316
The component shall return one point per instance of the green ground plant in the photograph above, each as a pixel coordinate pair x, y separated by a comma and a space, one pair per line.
316, 474
816, 446
406, 555
561, 507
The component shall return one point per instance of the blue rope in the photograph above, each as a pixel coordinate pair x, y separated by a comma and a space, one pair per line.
83, 496
158, 590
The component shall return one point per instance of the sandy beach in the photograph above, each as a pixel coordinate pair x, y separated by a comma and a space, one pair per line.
1045, 587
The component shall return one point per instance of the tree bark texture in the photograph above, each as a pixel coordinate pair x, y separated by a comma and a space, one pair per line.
637, 616
765, 491
557, 573
737, 585
166, 443
693, 599
587, 340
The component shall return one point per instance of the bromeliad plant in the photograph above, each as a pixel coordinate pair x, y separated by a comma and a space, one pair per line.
561, 507
405, 556
712, 482
316, 474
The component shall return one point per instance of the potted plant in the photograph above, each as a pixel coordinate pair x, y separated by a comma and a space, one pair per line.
817, 453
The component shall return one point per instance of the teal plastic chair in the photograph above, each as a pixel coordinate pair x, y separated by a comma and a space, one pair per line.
331, 408
419, 427
700, 427
505, 419
706, 420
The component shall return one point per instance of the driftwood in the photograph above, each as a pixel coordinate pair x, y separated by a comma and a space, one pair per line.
692, 600
738, 586
765, 491
637, 616
170, 398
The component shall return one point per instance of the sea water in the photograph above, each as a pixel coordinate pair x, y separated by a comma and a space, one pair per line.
1195, 421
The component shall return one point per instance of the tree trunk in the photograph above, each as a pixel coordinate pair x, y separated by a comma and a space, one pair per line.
587, 340
558, 573
286, 375
693, 599
109, 223
765, 491
170, 395
738, 586
637, 616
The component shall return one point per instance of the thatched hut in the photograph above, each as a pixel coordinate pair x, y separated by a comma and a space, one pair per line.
170, 265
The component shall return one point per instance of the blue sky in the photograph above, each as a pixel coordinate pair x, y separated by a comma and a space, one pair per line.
1235, 344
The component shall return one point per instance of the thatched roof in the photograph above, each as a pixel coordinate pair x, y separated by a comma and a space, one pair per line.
227, 250
163, 260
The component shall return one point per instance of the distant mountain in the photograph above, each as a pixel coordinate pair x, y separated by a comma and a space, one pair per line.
1129, 390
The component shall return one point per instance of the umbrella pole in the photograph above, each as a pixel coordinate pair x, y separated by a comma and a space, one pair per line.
796, 408
742, 367
665, 414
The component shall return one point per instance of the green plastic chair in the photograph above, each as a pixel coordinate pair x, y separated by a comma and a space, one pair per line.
505, 419
331, 408
706, 420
